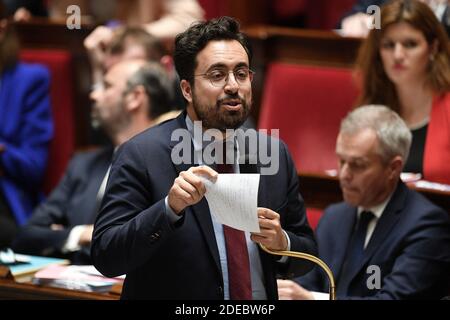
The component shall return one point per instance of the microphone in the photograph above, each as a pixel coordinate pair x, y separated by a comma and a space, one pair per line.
248, 167
309, 257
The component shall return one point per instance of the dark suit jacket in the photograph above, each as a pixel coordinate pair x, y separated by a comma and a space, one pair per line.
133, 235
72, 203
26, 129
410, 244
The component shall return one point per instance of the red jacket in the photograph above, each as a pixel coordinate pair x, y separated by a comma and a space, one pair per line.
436, 163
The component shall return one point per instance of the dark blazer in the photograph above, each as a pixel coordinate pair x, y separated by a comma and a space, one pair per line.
73, 202
133, 235
410, 244
26, 129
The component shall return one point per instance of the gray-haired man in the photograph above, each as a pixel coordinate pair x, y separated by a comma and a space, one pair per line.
385, 241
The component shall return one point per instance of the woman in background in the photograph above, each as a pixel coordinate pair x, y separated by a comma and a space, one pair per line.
26, 129
406, 65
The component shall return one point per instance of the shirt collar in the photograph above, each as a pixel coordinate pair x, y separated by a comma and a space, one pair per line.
201, 139
378, 209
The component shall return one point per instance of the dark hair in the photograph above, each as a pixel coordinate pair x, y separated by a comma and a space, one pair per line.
157, 85
376, 86
189, 43
9, 44
153, 47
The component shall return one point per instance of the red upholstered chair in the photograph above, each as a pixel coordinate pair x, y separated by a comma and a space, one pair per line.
61, 94
313, 215
307, 104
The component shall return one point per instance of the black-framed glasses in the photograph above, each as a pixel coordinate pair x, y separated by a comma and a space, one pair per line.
219, 77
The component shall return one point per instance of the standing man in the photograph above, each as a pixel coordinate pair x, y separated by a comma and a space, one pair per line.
385, 241
134, 94
155, 225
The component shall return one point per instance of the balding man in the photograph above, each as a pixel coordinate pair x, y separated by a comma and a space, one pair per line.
133, 95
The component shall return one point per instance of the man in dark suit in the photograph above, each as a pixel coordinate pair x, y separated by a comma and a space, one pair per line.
155, 225
134, 95
385, 241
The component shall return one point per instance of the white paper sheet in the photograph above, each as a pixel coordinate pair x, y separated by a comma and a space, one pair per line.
233, 200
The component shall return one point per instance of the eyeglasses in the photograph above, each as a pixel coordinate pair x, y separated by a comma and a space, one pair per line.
219, 77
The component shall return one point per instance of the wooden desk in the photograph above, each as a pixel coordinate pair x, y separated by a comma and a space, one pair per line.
302, 46
320, 190
11, 290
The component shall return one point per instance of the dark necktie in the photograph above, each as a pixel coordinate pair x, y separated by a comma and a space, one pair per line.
355, 251
237, 255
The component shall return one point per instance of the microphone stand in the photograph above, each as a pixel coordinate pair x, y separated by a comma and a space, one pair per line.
301, 255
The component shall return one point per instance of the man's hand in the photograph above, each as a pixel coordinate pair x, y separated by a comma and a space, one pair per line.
188, 188
86, 235
271, 235
96, 43
22, 15
356, 25
290, 290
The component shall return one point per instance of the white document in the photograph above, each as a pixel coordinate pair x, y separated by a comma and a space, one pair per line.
233, 200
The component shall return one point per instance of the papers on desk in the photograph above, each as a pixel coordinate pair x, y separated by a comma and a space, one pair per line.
25, 266
432, 185
233, 200
83, 278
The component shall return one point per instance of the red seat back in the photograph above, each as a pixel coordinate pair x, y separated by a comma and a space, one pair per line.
326, 14
61, 94
313, 215
306, 104
213, 8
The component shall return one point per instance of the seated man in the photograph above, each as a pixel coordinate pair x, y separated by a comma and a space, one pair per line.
385, 241
134, 95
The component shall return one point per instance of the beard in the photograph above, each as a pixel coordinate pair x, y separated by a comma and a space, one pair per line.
217, 117
112, 123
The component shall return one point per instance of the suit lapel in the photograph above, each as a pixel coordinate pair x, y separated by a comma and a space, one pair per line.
345, 227
94, 181
387, 221
384, 225
200, 210
203, 216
